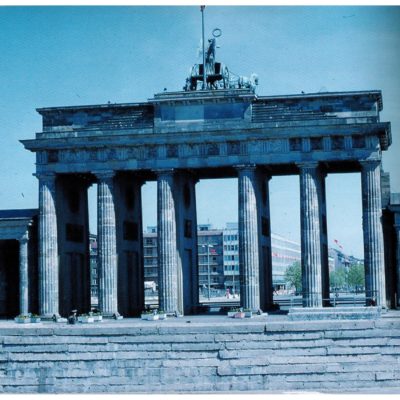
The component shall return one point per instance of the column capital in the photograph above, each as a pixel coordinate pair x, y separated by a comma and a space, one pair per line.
308, 165
370, 163
245, 167
47, 176
104, 175
164, 171
24, 238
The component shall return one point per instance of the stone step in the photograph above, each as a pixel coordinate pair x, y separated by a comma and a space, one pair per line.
257, 355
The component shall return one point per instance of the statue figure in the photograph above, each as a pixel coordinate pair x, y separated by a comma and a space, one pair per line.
217, 74
210, 56
249, 83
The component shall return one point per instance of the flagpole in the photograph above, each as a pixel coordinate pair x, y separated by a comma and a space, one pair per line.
204, 55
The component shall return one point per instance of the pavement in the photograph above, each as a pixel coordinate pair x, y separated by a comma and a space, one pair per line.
198, 320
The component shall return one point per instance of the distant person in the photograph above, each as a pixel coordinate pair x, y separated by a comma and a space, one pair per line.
227, 293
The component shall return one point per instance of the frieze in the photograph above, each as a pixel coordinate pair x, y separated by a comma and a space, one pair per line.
358, 142
326, 143
172, 151
278, 146
347, 143
131, 153
316, 143
121, 153
212, 149
41, 157
208, 149
295, 144
233, 148
306, 144
152, 152
372, 142
337, 143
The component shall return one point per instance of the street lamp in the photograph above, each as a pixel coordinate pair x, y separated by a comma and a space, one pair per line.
208, 266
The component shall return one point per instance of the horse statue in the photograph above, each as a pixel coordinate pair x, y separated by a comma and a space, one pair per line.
248, 83
217, 74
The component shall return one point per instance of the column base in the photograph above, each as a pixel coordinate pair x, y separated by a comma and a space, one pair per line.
176, 314
52, 317
116, 316
254, 311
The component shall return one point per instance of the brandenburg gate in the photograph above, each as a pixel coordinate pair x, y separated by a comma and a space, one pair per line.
177, 138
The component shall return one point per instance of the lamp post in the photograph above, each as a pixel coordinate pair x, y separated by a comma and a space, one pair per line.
208, 268
233, 279
204, 86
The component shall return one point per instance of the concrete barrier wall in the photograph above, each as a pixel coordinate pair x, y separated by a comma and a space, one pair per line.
221, 355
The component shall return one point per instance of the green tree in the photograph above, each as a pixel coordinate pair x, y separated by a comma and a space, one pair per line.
337, 278
293, 276
356, 276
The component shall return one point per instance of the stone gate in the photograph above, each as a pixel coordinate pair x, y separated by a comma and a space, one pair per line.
177, 138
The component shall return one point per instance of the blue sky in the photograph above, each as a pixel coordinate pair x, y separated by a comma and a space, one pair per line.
53, 56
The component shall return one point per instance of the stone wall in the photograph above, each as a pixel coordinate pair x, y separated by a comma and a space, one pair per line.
207, 354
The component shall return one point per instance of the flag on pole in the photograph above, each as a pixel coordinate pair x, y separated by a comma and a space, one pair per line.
337, 243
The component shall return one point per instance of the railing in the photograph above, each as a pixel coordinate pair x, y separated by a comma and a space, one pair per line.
336, 299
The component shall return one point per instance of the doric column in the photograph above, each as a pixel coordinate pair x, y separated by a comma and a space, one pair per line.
397, 229
310, 198
23, 275
264, 230
48, 246
249, 259
107, 245
324, 238
397, 283
167, 245
373, 232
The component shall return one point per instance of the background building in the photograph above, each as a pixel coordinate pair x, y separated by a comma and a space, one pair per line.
285, 252
210, 259
218, 260
231, 257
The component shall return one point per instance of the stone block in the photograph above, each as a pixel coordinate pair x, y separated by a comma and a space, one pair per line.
132, 355
229, 354
191, 355
310, 326
271, 369
229, 327
287, 344
163, 338
350, 334
36, 348
204, 362
388, 375
307, 335
197, 346
89, 348
388, 324
359, 367
391, 350
21, 389
354, 350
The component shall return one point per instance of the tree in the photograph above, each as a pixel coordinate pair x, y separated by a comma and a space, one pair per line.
337, 278
293, 276
356, 276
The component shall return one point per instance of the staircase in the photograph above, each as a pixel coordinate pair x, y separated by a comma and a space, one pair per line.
202, 354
